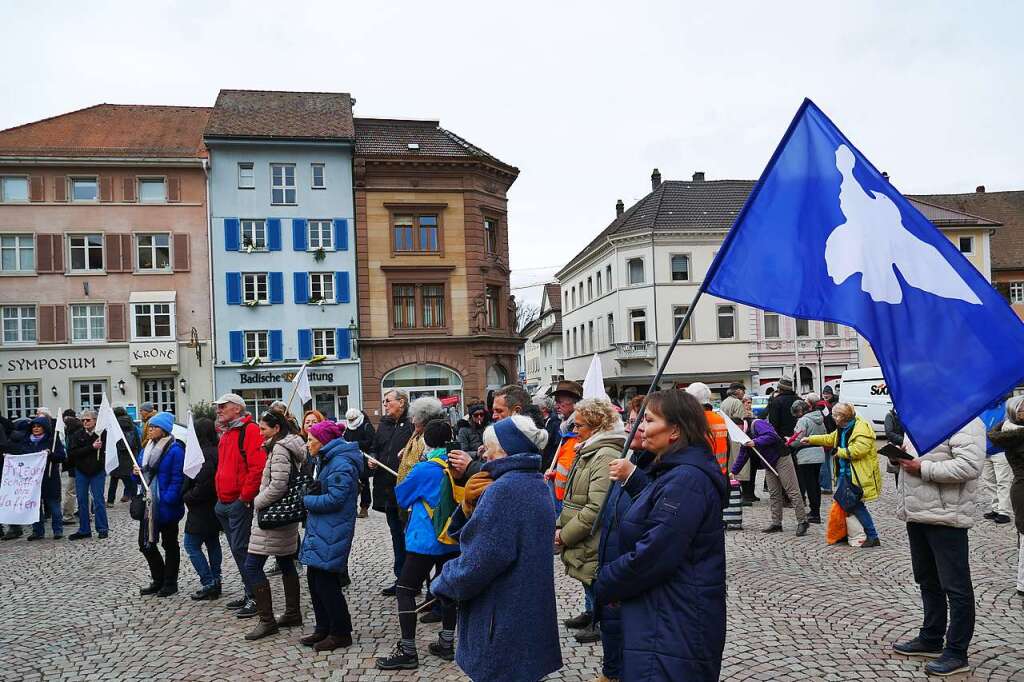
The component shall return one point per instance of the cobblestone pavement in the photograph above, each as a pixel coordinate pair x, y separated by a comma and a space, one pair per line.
798, 610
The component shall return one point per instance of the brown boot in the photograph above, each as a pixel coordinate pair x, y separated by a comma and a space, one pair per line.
292, 612
332, 642
265, 610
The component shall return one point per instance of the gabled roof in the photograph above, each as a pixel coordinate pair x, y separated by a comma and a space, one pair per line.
553, 295
1006, 207
390, 137
112, 131
272, 114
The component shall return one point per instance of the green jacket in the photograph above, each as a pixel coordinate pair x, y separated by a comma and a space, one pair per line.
585, 493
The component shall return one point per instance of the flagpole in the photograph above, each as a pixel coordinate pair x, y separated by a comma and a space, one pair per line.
380, 464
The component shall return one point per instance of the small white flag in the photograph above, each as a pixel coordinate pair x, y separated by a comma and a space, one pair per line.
193, 452
59, 429
106, 421
302, 389
593, 385
736, 434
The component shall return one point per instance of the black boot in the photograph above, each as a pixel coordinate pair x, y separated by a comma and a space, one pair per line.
153, 588
442, 649
399, 660
581, 621
266, 625
292, 612
170, 585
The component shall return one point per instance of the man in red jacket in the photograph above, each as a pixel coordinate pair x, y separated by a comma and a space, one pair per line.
240, 461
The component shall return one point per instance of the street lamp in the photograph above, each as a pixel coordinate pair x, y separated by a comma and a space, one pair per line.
818, 347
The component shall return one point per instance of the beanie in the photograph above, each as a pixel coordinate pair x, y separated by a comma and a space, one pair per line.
326, 431
164, 421
511, 439
436, 433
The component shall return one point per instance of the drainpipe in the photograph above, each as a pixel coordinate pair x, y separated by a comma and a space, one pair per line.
209, 261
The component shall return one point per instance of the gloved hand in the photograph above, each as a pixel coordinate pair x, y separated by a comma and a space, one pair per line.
315, 488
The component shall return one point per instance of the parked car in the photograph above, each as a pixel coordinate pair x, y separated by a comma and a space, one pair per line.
867, 391
759, 404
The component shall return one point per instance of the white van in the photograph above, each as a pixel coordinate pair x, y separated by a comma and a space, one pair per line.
866, 390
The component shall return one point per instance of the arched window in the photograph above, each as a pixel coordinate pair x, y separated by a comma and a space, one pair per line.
496, 376
426, 379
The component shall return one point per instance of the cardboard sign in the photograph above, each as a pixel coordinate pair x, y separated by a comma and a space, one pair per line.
20, 488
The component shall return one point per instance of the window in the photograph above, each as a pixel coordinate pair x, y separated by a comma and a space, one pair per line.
771, 326
418, 233
22, 400
491, 235
88, 322
638, 325
726, 322
403, 234
246, 175
428, 233
678, 313
493, 318
599, 292
321, 287
254, 288
153, 251
152, 190
254, 235
319, 178
13, 189
153, 320
608, 277
590, 335
282, 183
260, 398
967, 245
321, 235
590, 289
160, 392
84, 189
567, 300
611, 330
635, 266
680, 268
17, 253
575, 338
89, 394
19, 323
257, 345
86, 252
433, 305
573, 297
403, 301
831, 329
1016, 292
324, 342
802, 327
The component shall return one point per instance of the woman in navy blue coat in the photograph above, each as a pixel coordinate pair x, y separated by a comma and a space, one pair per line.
670, 577
40, 438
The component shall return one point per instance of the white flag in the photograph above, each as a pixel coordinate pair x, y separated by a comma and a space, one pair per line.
193, 452
106, 421
593, 385
59, 430
736, 434
302, 389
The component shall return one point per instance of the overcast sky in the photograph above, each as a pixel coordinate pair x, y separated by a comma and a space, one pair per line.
584, 100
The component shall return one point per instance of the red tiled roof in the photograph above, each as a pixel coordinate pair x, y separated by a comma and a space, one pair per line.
1005, 207
287, 115
112, 130
379, 137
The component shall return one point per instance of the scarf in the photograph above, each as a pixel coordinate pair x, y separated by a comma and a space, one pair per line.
153, 450
475, 487
357, 422
233, 424
1011, 414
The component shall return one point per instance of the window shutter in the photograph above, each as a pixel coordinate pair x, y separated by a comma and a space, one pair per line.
343, 343
44, 253
276, 285
112, 252
232, 234
36, 188
234, 283
127, 251
182, 258
341, 234
128, 189
236, 345
301, 282
273, 234
341, 292
57, 253
299, 228
173, 189
106, 188
46, 323
60, 188
276, 345
305, 344
116, 322
60, 324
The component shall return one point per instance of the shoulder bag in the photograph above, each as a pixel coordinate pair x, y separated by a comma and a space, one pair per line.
289, 509
848, 494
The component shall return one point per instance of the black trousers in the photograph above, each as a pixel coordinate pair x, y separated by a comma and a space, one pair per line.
809, 476
747, 487
364, 489
416, 569
329, 605
939, 556
162, 568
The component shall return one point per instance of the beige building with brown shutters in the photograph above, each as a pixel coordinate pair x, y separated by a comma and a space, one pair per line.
104, 263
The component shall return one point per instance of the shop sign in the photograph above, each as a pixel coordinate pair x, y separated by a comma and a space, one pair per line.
150, 354
286, 377
52, 363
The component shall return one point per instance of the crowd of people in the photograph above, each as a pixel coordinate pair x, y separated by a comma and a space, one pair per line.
475, 510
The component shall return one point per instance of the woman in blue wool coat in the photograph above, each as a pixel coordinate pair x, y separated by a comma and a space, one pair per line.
504, 580
40, 438
330, 524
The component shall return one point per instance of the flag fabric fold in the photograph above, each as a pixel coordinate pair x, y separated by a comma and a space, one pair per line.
736, 434
593, 384
194, 457
302, 389
106, 421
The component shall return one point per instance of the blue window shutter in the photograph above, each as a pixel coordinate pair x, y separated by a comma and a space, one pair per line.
276, 282
343, 344
234, 288
232, 234
341, 292
301, 281
299, 228
273, 234
236, 342
276, 345
340, 234
305, 344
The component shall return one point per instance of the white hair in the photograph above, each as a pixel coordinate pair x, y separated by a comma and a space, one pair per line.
44, 410
527, 427
700, 391
422, 410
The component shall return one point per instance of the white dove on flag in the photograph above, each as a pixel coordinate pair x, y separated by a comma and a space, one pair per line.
194, 458
106, 421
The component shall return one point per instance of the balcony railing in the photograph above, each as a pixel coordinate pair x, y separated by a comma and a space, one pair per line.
635, 350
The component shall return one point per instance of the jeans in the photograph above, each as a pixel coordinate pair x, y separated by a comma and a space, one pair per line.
810, 490
236, 520
826, 473
254, 564
127, 483
56, 518
864, 516
329, 605
416, 569
397, 529
939, 556
84, 486
207, 570
163, 569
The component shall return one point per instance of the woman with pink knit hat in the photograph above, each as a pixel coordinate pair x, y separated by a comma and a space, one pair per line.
330, 524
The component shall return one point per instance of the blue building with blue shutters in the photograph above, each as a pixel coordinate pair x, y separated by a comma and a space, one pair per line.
282, 247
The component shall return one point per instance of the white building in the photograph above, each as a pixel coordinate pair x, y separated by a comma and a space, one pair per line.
529, 356
548, 339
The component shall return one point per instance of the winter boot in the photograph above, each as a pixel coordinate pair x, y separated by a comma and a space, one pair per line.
402, 657
579, 621
292, 611
170, 586
332, 642
153, 588
265, 609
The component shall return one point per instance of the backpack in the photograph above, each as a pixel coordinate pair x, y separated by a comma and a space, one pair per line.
451, 496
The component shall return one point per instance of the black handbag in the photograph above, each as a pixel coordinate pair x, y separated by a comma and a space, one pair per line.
137, 504
289, 509
848, 495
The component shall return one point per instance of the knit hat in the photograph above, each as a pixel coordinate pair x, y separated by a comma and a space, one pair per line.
786, 384
40, 421
326, 431
514, 435
164, 421
477, 408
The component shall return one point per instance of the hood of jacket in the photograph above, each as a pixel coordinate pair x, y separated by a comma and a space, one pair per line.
816, 418
294, 445
523, 462
342, 448
698, 456
614, 438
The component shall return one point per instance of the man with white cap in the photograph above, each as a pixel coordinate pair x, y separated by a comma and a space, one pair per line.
360, 431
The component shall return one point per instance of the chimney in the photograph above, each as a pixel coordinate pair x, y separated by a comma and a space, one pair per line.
619, 208
885, 174
980, 189
655, 179
698, 176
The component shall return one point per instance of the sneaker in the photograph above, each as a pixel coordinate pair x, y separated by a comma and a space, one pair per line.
591, 633
916, 647
102, 535
79, 536
990, 516
236, 604
442, 650
1001, 518
399, 660
581, 621
772, 529
947, 664
430, 617
871, 542
801, 529
247, 611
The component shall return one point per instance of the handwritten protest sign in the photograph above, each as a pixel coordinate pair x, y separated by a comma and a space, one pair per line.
19, 490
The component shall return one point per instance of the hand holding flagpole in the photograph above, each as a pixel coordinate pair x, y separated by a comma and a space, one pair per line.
380, 464
737, 435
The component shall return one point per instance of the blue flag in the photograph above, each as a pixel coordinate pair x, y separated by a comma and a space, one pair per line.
825, 236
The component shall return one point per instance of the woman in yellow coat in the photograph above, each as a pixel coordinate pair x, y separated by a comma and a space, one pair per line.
854, 443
